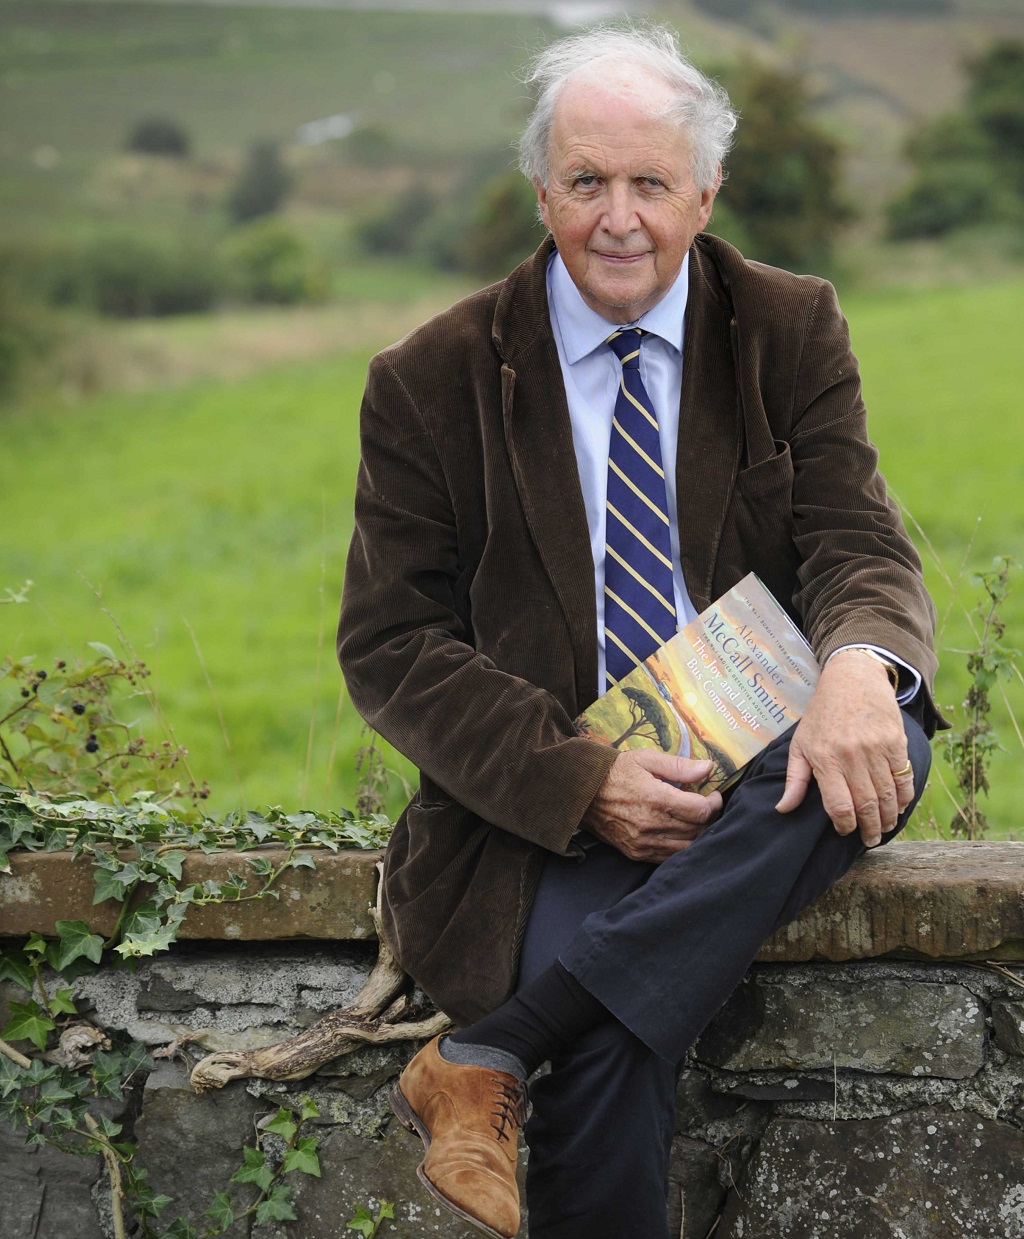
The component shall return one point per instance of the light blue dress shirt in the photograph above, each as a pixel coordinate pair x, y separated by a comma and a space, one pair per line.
590, 372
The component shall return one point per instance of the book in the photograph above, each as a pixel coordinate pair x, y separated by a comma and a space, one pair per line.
722, 688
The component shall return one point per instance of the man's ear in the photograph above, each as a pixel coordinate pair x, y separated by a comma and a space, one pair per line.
707, 199
542, 203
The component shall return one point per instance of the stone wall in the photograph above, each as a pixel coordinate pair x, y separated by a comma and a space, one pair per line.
852, 1099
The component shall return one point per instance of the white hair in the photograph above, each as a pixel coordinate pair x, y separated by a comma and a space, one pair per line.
701, 106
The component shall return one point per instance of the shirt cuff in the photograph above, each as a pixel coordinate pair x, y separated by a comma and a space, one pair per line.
910, 677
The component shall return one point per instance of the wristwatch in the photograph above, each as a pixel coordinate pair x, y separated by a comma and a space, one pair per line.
891, 670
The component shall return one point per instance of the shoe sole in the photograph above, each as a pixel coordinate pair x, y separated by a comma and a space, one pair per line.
410, 1120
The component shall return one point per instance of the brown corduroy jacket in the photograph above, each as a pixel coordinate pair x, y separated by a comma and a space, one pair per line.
468, 629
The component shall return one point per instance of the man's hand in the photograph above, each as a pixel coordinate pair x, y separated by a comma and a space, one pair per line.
852, 741
638, 811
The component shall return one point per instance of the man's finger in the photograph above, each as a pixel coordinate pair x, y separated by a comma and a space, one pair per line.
904, 781
798, 779
673, 769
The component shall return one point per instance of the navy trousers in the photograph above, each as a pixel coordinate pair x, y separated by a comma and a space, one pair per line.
662, 947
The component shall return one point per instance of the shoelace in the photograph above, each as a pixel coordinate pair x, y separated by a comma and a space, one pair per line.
511, 1107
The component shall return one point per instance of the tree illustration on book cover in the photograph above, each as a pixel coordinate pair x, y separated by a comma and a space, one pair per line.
731, 681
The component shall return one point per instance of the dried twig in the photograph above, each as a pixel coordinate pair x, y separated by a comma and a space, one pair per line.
373, 1018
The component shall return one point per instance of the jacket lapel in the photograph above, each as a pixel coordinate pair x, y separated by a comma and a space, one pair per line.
710, 433
538, 433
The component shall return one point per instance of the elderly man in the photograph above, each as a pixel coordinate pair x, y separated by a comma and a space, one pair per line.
531, 521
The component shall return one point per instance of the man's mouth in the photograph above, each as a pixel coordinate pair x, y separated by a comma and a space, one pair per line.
623, 258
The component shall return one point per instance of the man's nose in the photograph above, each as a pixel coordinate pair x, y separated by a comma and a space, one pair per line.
620, 216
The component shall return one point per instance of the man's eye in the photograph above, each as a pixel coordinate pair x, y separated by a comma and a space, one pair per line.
650, 182
586, 180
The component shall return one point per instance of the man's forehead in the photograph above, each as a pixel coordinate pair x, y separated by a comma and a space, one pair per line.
607, 84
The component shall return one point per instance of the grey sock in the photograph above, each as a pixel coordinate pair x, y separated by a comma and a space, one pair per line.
470, 1055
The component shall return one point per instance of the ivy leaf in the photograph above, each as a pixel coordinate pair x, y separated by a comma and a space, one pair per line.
76, 940
254, 1170
37, 944
362, 1222
109, 885
170, 863
109, 1128
15, 967
303, 1157
11, 1077
310, 1110
302, 860
158, 1204
28, 1022
220, 1212
278, 1205
61, 1004
180, 1228
282, 1124
147, 943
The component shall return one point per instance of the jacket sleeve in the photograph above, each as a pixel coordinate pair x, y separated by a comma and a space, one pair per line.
500, 746
860, 575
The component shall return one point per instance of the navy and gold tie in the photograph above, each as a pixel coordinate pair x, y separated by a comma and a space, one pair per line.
639, 607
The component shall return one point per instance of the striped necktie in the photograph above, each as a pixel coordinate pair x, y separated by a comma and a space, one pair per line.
639, 607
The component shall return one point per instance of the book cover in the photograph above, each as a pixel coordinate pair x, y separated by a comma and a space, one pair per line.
722, 688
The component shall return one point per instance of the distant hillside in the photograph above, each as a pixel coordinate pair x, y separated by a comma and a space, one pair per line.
879, 66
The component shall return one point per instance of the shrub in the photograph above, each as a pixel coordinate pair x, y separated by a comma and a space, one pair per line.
262, 185
26, 335
945, 196
504, 228
394, 229
130, 274
269, 263
159, 135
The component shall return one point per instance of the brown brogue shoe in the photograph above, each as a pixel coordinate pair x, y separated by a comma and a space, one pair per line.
468, 1119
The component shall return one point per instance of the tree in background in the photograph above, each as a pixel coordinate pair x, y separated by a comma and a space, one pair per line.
504, 227
969, 165
262, 184
782, 200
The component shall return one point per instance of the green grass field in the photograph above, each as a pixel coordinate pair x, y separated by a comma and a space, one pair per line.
223, 510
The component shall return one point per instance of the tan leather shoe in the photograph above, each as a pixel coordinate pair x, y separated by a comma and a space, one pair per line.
468, 1119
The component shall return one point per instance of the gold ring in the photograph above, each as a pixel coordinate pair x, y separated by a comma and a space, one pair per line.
907, 769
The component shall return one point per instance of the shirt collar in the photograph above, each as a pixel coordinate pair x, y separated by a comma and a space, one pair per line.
582, 329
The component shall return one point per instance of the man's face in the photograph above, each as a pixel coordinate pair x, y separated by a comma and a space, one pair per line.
620, 201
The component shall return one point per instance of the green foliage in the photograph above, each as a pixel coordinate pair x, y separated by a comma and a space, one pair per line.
159, 135
782, 201
262, 185
504, 228
27, 332
131, 273
137, 851
969, 165
368, 1223
969, 747
485, 225
62, 730
54, 1105
269, 263
396, 228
